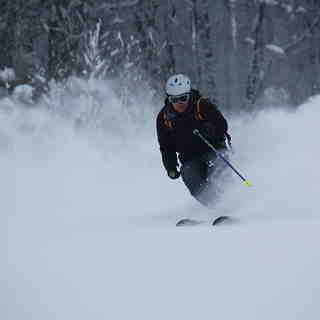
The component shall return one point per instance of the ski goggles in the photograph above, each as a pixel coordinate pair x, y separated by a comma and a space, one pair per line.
181, 98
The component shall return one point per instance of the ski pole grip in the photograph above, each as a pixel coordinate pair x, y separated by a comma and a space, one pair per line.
197, 133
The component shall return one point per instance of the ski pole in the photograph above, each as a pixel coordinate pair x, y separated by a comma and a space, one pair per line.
245, 181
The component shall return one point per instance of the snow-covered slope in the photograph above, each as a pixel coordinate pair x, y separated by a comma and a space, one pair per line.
87, 221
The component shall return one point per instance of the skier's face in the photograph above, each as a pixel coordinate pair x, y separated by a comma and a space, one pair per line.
180, 103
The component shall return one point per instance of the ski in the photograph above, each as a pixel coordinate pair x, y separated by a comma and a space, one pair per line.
189, 222
220, 219
195, 222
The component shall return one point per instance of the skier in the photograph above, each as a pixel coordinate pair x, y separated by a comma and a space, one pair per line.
185, 110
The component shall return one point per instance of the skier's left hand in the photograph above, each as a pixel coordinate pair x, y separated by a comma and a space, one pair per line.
209, 130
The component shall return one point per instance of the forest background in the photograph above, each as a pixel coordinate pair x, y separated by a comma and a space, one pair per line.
245, 54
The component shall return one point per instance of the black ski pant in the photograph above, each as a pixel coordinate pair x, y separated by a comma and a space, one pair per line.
201, 177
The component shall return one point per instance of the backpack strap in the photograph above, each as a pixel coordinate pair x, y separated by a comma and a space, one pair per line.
198, 114
167, 122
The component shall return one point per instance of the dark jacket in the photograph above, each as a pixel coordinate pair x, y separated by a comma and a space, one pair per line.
175, 130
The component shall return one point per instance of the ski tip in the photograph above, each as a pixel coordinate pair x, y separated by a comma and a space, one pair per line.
187, 222
220, 219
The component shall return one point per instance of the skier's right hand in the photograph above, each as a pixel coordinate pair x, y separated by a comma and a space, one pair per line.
173, 174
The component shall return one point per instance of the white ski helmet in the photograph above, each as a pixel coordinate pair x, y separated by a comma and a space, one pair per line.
178, 84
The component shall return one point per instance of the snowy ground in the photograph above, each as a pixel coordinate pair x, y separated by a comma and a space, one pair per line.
87, 223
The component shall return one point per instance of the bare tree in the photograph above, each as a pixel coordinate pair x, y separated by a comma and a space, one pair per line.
255, 77
144, 41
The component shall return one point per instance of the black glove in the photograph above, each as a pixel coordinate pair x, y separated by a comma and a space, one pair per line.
173, 174
209, 130
211, 133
